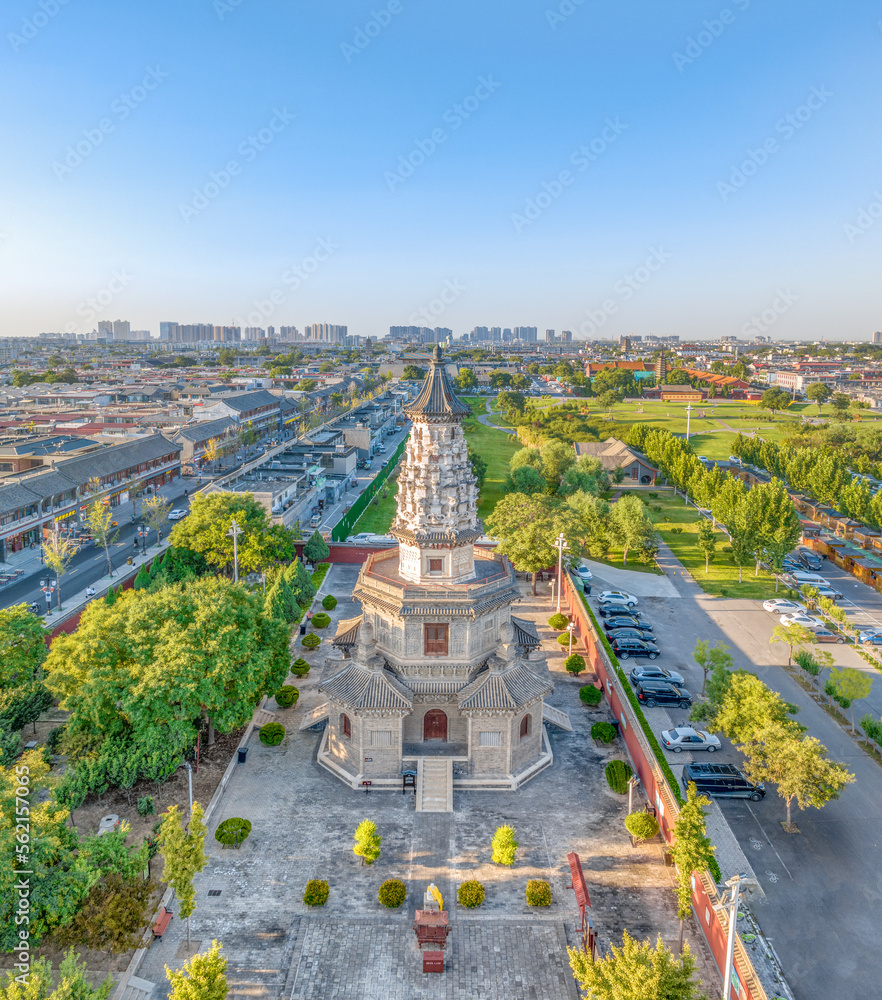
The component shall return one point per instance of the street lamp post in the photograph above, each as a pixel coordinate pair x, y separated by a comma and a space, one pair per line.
735, 884
234, 532
633, 782
190, 782
571, 628
553, 582
560, 544
688, 415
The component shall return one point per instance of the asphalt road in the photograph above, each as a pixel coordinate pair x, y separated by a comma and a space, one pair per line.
822, 904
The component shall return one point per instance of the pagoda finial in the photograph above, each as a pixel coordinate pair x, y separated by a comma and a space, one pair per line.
436, 354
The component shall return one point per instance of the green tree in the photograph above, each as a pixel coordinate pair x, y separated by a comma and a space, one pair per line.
367, 842
853, 684
466, 381
586, 475
608, 400
112, 916
524, 479
504, 846
526, 456
206, 531
636, 971
316, 549
22, 645
630, 525
795, 636
300, 581
511, 402
183, 853
499, 379
412, 373
775, 399
818, 392
593, 515
749, 707
693, 850
840, 403
556, 459
798, 766
57, 554
707, 542
73, 982
711, 658
202, 977
99, 519
479, 467
526, 527
280, 602
155, 510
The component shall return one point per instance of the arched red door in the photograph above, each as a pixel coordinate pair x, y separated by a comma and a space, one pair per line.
435, 725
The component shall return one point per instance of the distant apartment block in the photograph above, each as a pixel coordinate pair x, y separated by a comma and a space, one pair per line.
326, 333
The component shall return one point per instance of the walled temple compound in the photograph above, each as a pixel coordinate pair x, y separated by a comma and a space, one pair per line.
437, 673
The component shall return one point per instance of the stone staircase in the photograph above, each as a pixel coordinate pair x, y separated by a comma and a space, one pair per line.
315, 715
557, 717
434, 789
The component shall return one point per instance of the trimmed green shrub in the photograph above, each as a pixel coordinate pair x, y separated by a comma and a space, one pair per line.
504, 845
617, 774
316, 893
300, 668
590, 695
470, 894
272, 734
603, 731
329, 602
311, 641
641, 825
53, 740
564, 638
367, 842
558, 621
392, 893
574, 664
538, 893
287, 696
716, 872
321, 620
146, 806
232, 832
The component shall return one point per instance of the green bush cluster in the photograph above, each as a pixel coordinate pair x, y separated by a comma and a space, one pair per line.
641, 825
329, 602
300, 668
287, 696
564, 638
392, 893
272, 734
316, 893
538, 893
504, 845
321, 620
233, 831
617, 774
830, 691
603, 731
470, 894
311, 641
574, 664
558, 621
590, 695
145, 806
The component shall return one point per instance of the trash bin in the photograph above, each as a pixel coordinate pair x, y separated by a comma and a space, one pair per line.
617, 725
243, 753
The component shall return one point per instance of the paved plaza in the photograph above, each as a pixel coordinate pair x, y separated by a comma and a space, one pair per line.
303, 819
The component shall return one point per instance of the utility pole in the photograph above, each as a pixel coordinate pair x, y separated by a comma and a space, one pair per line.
560, 544
234, 532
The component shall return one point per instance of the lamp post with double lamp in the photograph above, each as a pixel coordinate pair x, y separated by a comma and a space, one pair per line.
730, 901
571, 628
234, 533
560, 544
688, 415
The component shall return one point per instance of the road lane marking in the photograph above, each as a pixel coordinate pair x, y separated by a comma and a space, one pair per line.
768, 840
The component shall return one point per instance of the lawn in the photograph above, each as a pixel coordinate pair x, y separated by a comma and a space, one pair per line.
669, 512
496, 448
380, 512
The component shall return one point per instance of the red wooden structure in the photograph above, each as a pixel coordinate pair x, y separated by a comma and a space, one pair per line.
431, 927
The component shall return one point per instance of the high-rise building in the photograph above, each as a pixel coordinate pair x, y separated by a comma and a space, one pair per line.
549, 336
566, 336
105, 329
527, 334
326, 333
496, 333
121, 329
479, 333
877, 337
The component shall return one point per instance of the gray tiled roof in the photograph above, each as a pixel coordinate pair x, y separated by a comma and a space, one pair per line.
13, 497
117, 458
205, 429
437, 398
347, 633
507, 689
366, 690
525, 632
241, 401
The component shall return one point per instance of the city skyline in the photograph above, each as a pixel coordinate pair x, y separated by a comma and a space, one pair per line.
607, 170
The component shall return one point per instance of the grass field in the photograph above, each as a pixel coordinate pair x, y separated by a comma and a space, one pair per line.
495, 447
378, 517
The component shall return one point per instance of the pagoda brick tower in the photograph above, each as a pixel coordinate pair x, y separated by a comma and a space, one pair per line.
436, 664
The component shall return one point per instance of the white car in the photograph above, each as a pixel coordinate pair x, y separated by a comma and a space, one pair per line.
582, 572
687, 738
176, 515
781, 607
618, 597
830, 592
801, 618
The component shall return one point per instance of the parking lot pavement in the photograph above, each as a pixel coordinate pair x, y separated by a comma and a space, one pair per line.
822, 902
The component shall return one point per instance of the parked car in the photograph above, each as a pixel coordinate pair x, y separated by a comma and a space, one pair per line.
873, 640
830, 592
735, 460
662, 694
623, 648
809, 560
687, 738
825, 635
780, 606
722, 781
629, 632
582, 572
615, 609
640, 674
868, 634
176, 515
627, 621
801, 618
618, 596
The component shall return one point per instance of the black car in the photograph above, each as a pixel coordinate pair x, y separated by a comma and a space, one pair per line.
640, 674
652, 694
627, 621
810, 560
623, 648
629, 632
722, 781
614, 609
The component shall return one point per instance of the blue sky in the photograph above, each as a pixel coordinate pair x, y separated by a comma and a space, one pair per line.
556, 164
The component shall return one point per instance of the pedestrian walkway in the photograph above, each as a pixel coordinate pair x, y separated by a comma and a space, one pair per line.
434, 788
